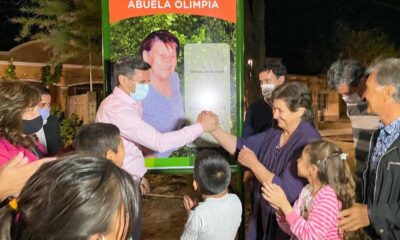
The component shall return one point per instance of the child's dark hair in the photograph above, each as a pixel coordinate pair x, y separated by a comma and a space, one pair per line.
97, 138
211, 172
73, 197
333, 170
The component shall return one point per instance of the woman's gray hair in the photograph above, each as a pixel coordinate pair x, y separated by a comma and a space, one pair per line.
387, 73
296, 95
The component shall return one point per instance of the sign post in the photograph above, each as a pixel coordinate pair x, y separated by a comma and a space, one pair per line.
209, 70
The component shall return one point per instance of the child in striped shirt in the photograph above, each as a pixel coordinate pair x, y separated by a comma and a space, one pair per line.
331, 189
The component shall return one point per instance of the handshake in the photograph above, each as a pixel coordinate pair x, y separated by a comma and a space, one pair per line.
208, 120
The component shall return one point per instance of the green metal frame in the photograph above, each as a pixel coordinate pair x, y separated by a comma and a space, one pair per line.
105, 23
239, 101
184, 165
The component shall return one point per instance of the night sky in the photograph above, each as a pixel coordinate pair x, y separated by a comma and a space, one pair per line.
8, 30
295, 29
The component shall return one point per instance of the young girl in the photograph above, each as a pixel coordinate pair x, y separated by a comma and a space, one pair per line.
75, 197
331, 188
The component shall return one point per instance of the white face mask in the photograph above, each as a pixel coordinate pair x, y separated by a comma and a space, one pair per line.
267, 89
353, 98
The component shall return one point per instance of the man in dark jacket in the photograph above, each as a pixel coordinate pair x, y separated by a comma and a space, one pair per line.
49, 135
259, 115
380, 211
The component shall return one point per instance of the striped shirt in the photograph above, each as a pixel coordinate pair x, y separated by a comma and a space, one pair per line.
313, 217
363, 126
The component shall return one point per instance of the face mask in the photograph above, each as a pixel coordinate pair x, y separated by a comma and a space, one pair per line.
353, 98
267, 89
45, 113
141, 92
32, 126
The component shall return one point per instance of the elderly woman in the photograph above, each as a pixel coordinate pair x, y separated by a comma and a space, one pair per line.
19, 119
272, 155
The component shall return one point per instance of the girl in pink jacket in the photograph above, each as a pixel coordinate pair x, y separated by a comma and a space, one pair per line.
315, 215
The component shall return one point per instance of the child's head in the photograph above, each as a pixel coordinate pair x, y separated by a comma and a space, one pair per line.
326, 162
101, 139
212, 173
75, 197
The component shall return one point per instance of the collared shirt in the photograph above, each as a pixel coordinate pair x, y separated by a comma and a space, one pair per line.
387, 135
124, 112
42, 137
363, 125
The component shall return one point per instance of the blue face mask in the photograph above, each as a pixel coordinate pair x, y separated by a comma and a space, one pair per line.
141, 92
45, 113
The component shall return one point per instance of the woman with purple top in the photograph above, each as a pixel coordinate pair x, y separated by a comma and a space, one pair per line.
272, 155
163, 106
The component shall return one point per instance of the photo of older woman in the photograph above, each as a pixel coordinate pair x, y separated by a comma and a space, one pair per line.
163, 106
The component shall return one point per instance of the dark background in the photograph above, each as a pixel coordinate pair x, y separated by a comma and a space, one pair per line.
295, 29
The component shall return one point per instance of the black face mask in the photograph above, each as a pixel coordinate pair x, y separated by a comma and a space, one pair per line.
32, 126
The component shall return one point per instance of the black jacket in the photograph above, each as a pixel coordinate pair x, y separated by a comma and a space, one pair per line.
52, 134
384, 209
258, 118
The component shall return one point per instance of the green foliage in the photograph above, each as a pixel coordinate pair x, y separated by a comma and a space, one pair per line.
126, 35
71, 27
48, 78
69, 127
56, 110
185, 151
10, 73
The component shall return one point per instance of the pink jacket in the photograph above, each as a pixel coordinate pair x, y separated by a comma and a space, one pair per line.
323, 216
8, 151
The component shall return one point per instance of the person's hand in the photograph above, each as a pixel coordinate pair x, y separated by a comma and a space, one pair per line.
247, 157
16, 172
276, 197
354, 218
247, 176
144, 186
208, 120
188, 203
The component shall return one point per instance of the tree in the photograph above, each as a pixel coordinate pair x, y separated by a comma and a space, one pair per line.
71, 27
365, 45
49, 78
10, 74
126, 35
